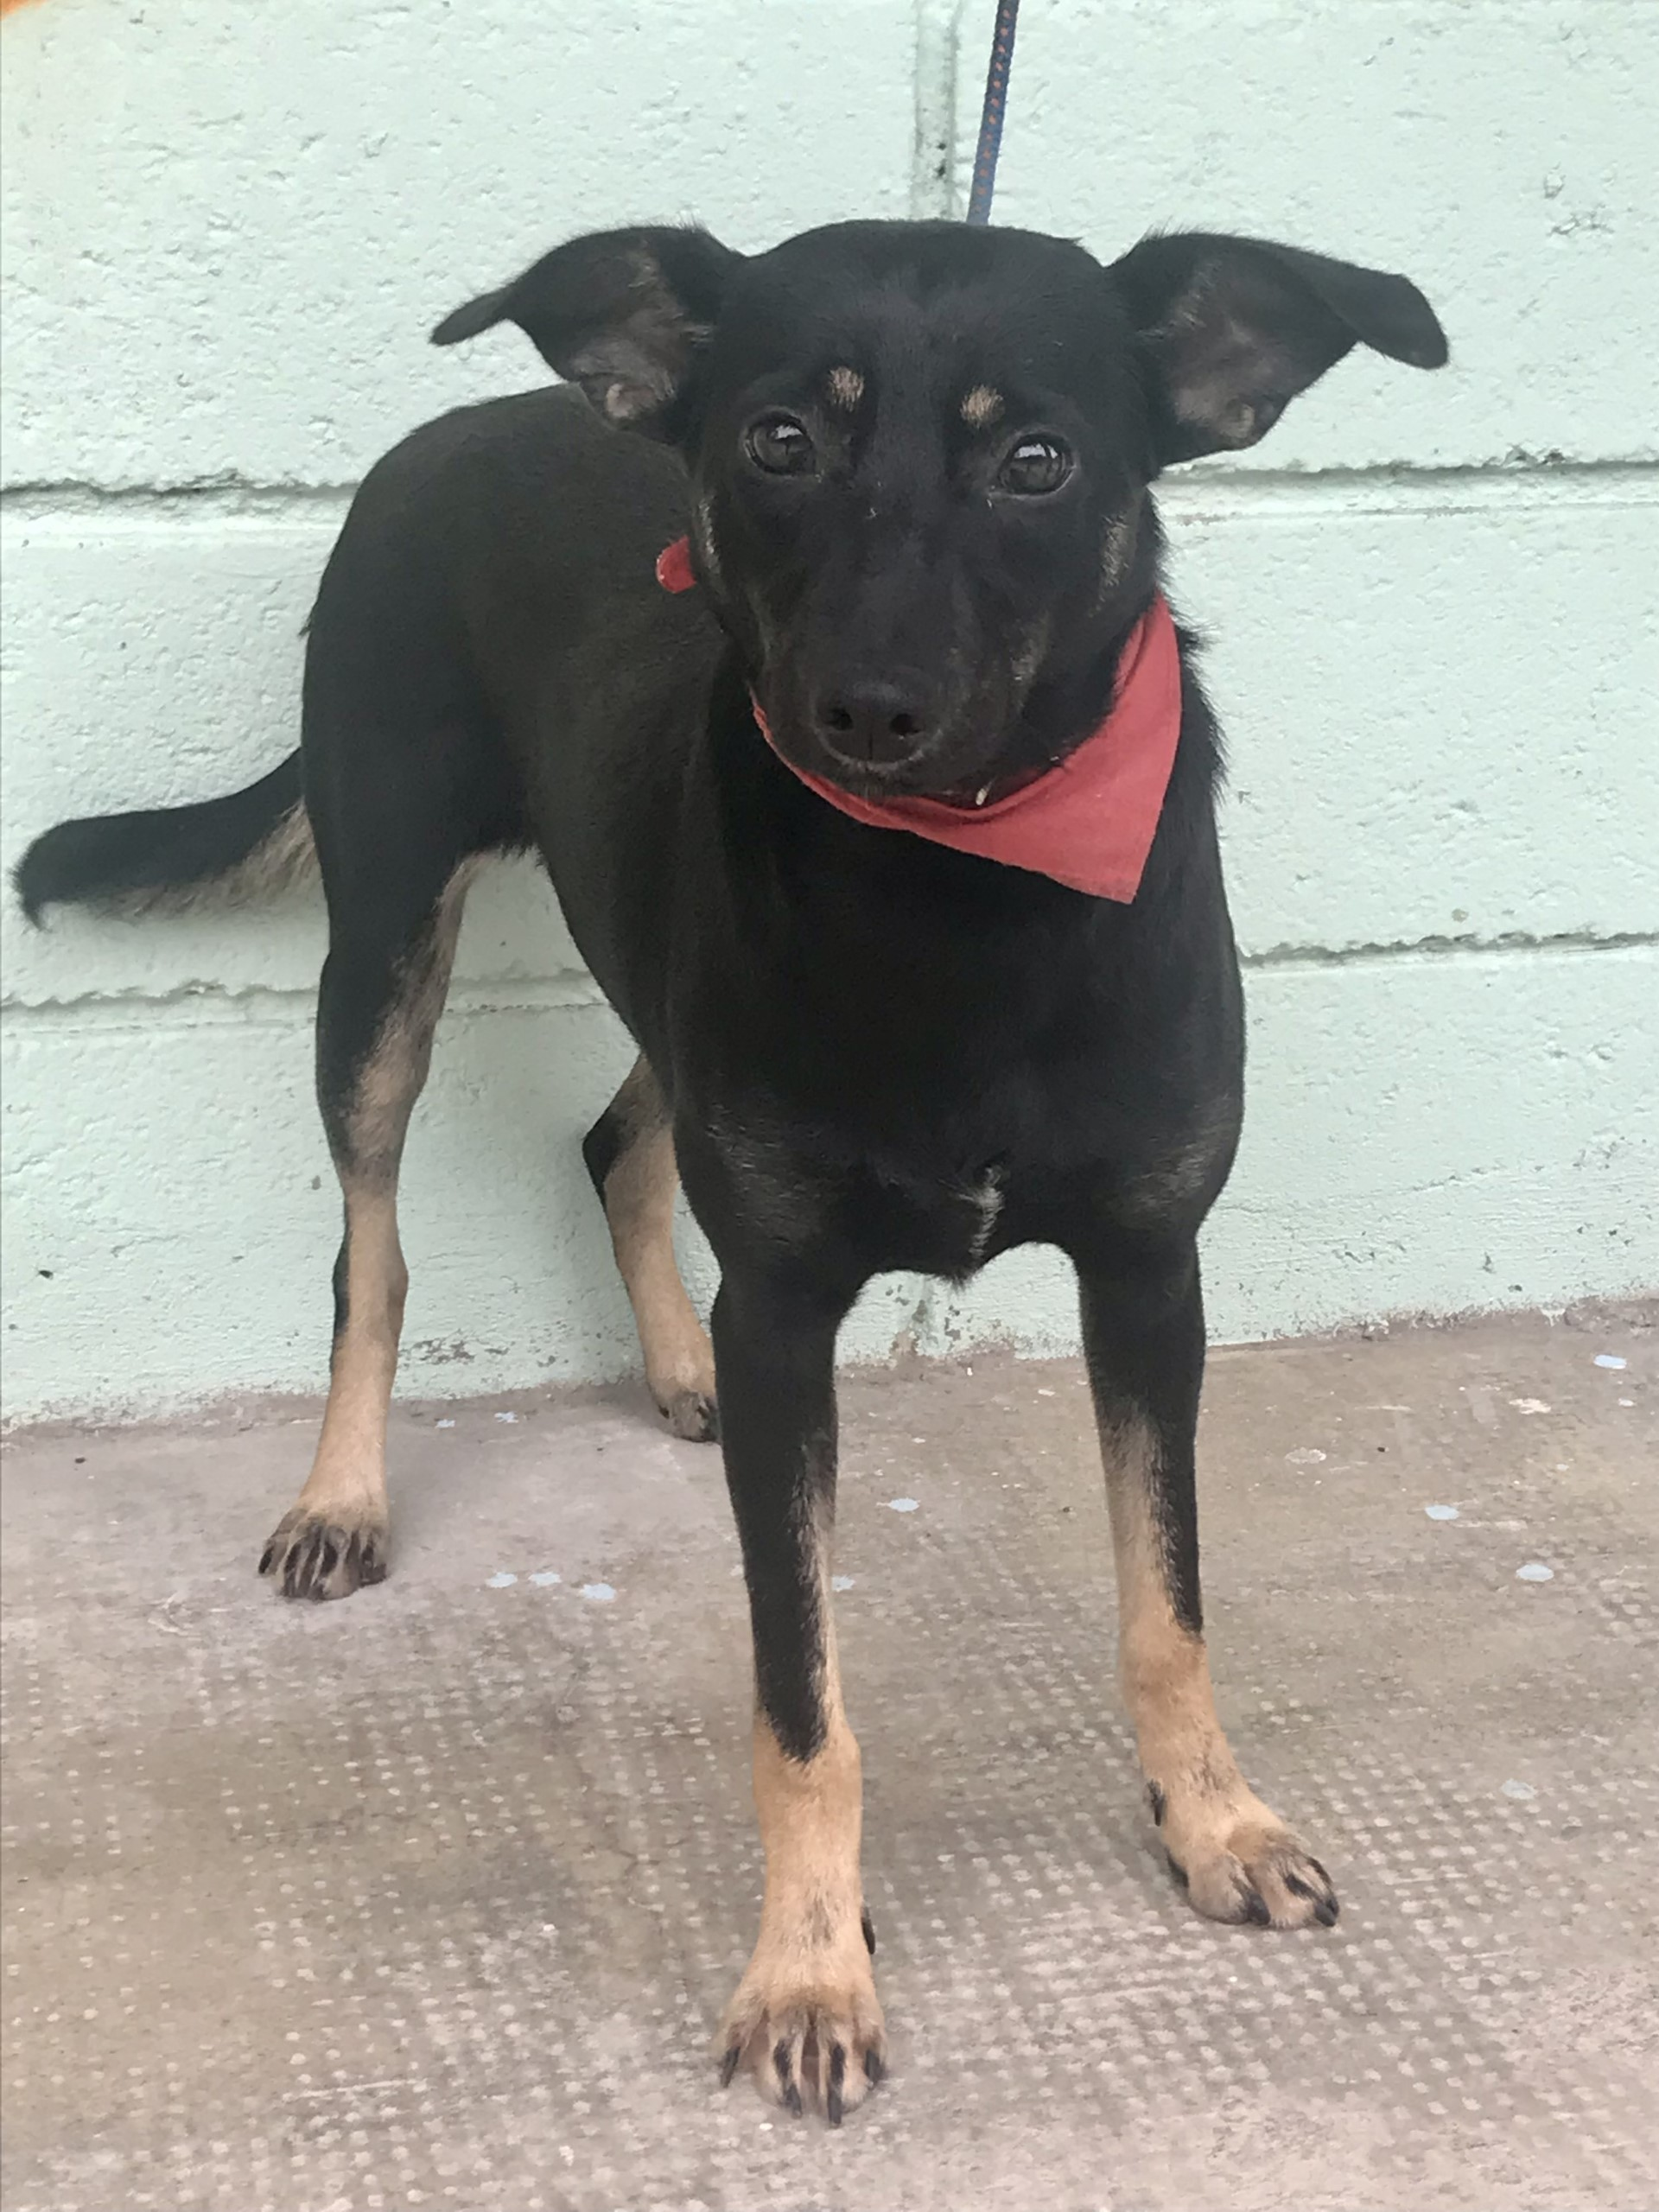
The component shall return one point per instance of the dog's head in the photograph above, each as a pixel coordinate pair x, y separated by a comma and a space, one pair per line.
920, 452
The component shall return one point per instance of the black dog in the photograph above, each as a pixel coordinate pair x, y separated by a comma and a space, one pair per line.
913, 460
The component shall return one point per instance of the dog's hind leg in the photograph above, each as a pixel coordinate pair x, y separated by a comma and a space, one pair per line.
392, 941
630, 1156
1143, 1336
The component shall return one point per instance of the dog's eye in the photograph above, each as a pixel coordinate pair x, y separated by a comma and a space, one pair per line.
779, 444
1035, 466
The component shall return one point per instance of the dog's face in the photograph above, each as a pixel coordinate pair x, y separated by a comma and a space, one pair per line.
920, 453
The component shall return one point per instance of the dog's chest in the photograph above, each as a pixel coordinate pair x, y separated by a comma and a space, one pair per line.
984, 1198
947, 1227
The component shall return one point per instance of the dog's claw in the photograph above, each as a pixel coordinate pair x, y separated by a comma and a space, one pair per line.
832, 2095
1326, 1908
309, 1557
694, 1415
817, 2049
1261, 1877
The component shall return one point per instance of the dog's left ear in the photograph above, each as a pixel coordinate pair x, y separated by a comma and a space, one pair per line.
1233, 328
622, 313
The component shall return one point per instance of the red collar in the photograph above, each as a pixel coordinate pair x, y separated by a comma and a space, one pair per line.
1089, 821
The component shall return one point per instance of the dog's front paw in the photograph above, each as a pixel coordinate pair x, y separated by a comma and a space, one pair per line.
691, 1413
809, 2028
317, 1555
1248, 1867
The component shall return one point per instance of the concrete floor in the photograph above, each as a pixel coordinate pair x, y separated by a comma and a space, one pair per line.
432, 1898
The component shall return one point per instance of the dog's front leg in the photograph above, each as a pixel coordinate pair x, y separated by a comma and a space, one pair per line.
805, 2016
1143, 1335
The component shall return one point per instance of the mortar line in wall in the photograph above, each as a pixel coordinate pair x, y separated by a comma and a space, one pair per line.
257, 1005
933, 147
218, 1006
1433, 949
228, 498
1478, 488
233, 499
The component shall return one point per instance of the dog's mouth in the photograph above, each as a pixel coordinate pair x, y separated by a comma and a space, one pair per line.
923, 775
958, 763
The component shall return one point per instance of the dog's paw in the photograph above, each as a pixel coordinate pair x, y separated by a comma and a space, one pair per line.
313, 1554
691, 1413
1254, 1870
812, 2038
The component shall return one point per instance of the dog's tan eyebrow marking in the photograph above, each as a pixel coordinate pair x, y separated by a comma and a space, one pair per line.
845, 387
982, 406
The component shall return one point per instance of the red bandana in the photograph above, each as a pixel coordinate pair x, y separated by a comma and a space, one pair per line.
1089, 821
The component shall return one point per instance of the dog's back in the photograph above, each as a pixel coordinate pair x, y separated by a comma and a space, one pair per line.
495, 568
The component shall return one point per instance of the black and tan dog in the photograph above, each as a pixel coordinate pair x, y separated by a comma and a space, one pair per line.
891, 842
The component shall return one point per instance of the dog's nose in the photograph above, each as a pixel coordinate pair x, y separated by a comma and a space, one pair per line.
876, 723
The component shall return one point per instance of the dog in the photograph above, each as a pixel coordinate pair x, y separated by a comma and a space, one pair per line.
811, 631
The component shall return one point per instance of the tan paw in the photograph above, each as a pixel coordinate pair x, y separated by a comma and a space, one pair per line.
691, 1413
1247, 1866
810, 2030
315, 1554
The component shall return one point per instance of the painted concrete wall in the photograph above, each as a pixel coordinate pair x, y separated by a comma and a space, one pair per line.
227, 230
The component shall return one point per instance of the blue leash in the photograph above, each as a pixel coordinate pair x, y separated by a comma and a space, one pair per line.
990, 119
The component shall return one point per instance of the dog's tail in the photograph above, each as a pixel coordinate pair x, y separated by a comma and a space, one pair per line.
225, 850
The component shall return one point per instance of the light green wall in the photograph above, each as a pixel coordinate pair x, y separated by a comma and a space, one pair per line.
227, 231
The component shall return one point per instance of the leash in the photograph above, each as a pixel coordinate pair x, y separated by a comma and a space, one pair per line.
990, 117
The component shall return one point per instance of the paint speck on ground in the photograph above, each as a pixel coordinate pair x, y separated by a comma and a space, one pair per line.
1529, 1405
544, 1576
1534, 1570
600, 1593
1306, 1455
446, 1424
1627, 1401
501, 1579
1522, 1792
1441, 1512
1609, 1359
841, 1581
506, 1416
901, 1504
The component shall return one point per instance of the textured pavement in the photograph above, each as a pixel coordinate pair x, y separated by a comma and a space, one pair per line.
432, 1898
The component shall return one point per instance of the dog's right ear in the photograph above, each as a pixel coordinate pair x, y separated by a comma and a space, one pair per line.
620, 312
